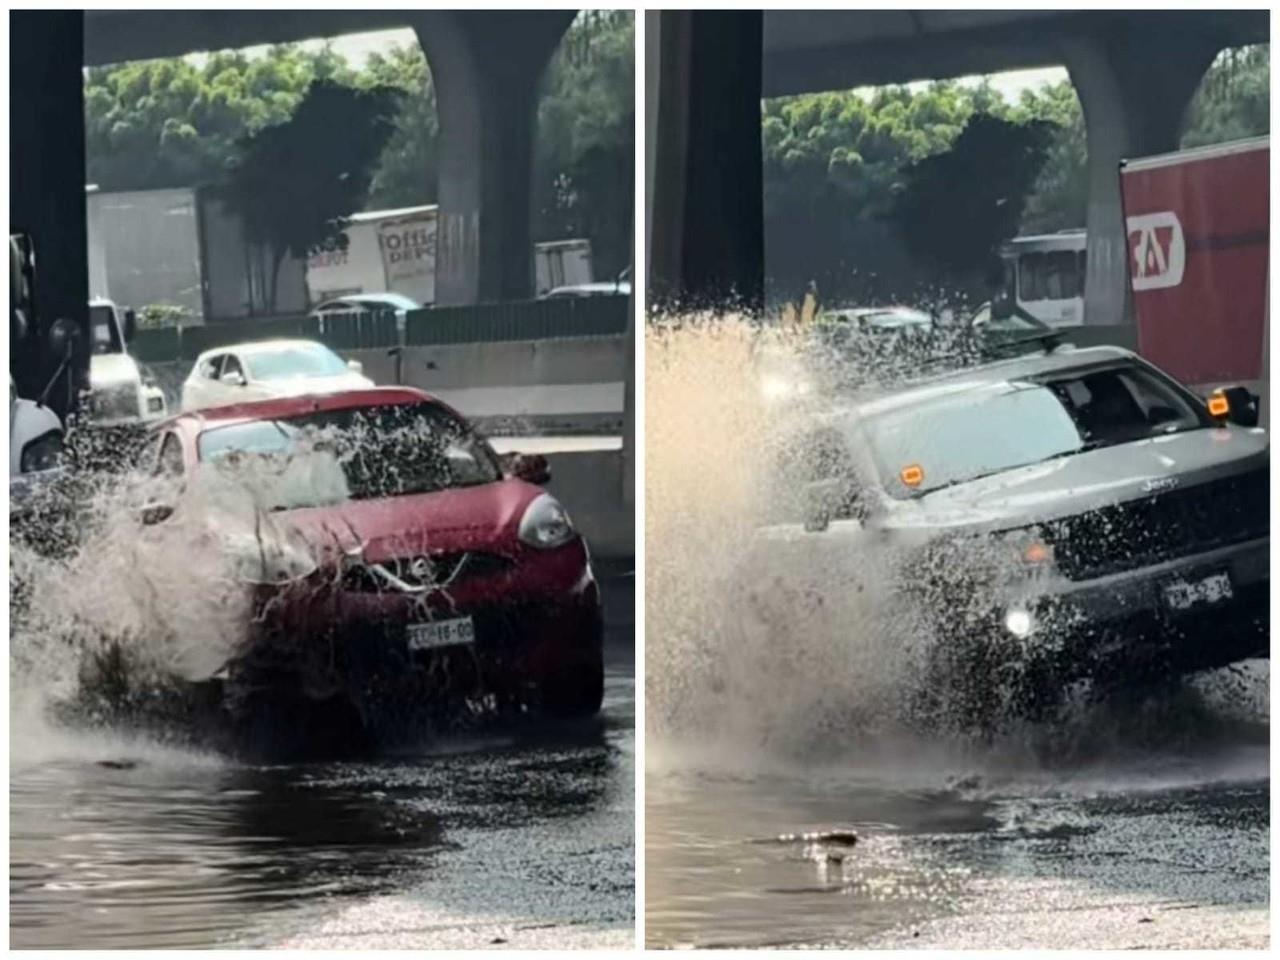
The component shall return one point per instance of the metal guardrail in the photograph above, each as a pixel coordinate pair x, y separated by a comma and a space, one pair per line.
372, 329
520, 320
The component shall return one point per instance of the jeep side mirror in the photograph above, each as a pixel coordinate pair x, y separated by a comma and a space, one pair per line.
1242, 405
130, 325
1001, 306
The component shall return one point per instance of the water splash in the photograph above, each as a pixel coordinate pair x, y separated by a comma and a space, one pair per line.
765, 642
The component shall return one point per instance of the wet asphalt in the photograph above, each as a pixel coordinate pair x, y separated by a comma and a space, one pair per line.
521, 838
1142, 827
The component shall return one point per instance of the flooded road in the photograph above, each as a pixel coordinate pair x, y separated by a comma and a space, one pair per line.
1123, 843
523, 838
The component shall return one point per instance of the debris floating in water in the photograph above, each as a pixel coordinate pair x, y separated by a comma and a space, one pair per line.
846, 838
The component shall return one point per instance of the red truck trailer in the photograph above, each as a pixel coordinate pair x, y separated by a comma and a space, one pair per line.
1199, 236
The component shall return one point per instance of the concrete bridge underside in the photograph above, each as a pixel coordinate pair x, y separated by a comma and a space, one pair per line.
1135, 73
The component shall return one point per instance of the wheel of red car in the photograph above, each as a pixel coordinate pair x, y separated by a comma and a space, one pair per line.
575, 692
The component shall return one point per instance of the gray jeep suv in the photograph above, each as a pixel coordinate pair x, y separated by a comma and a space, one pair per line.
1075, 509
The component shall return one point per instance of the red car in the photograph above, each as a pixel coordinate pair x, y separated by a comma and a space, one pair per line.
396, 565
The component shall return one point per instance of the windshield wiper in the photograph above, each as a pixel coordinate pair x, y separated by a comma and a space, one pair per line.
1091, 445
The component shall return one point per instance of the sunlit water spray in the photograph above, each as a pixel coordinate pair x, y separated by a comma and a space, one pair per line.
735, 649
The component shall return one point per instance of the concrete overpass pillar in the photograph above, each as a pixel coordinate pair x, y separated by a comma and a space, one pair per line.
46, 181
1134, 88
487, 68
706, 195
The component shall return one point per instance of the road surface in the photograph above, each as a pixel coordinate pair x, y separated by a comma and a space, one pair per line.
521, 839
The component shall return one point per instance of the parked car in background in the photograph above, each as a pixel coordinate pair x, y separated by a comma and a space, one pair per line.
619, 286
366, 302
239, 373
879, 320
395, 562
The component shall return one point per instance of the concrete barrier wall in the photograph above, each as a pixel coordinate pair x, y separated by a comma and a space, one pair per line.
534, 386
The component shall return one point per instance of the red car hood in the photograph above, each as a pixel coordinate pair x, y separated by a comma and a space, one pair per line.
468, 518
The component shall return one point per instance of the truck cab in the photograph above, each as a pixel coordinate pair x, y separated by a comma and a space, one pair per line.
119, 391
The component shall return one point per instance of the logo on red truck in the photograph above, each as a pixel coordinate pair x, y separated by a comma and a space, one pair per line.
1157, 250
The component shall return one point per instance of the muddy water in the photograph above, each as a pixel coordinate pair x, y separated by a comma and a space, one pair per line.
1119, 824
524, 837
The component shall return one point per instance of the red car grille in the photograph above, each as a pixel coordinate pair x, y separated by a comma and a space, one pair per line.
427, 570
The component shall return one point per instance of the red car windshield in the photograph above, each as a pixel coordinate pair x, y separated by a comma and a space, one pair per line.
383, 451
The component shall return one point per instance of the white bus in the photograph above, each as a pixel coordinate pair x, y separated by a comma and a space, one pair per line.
1046, 276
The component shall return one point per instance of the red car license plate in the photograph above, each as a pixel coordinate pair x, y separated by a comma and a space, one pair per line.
441, 633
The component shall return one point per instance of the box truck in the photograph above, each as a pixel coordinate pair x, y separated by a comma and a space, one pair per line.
1198, 225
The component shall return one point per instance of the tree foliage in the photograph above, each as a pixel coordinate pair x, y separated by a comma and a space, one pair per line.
294, 184
834, 162
584, 164
175, 122
172, 123
956, 206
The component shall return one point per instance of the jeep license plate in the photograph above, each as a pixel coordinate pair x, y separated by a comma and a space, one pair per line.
441, 633
1185, 594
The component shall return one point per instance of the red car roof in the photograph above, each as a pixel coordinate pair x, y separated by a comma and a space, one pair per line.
283, 407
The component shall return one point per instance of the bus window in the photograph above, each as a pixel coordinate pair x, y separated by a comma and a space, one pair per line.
1056, 275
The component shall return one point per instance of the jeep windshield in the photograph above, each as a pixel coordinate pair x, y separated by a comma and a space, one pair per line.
360, 454
961, 436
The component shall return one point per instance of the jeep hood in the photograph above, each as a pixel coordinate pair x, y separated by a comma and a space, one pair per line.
1089, 480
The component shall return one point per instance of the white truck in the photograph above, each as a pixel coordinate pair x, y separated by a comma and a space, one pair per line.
394, 251
119, 392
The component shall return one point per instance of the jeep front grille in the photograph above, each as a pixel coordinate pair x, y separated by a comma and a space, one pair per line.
1139, 533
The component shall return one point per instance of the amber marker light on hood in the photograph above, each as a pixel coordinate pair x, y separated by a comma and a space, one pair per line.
912, 476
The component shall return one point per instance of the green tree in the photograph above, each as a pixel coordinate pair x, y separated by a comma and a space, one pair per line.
409, 167
584, 162
1234, 98
175, 123
955, 207
294, 184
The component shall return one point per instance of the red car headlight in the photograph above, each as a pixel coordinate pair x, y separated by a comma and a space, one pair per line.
545, 524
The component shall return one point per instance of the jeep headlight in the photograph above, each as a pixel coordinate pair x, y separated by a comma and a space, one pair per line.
545, 524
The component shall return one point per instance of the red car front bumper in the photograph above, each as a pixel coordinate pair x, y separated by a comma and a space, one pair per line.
537, 619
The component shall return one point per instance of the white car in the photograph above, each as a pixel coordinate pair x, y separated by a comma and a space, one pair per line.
242, 372
366, 302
